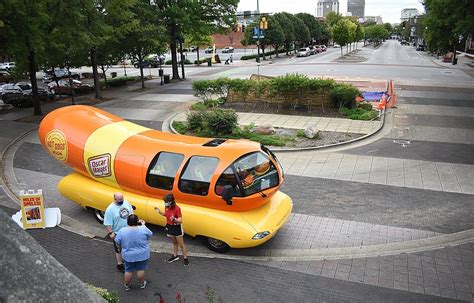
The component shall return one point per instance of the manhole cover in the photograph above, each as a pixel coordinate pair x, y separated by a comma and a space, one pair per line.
403, 143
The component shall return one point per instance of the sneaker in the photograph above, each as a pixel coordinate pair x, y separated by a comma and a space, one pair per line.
127, 287
143, 285
186, 262
172, 259
121, 268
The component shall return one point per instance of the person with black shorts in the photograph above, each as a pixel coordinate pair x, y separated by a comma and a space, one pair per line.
174, 228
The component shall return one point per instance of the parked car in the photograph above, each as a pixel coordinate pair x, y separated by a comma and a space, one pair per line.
6, 66
228, 49
336, 46
404, 42
208, 50
420, 47
312, 50
303, 52
318, 49
192, 48
323, 48
21, 94
65, 89
61, 73
148, 63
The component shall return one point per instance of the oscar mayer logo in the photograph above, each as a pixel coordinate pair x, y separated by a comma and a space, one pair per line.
56, 144
99, 166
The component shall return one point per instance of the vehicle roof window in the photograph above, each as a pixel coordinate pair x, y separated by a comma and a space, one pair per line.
197, 175
163, 169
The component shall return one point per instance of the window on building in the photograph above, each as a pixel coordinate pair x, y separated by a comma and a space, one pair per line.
163, 170
197, 175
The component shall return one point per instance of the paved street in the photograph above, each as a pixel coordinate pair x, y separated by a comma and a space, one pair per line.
387, 219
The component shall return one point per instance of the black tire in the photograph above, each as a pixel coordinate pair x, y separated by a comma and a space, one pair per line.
98, 215
217, 245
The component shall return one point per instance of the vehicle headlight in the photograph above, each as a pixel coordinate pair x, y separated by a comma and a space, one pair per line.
260, 235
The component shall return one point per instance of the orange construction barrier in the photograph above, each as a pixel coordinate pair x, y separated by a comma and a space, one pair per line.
382, 103
393, 97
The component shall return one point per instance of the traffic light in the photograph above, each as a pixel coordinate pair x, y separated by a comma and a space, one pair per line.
263, 23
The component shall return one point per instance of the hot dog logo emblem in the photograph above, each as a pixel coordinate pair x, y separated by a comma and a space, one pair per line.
56, 144
99, 166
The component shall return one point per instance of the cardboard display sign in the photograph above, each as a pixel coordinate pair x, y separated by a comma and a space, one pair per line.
32, 209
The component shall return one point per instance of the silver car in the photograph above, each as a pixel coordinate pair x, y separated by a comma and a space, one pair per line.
303, 52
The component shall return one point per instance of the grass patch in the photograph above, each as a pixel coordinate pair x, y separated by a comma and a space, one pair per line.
358, 113
180, 127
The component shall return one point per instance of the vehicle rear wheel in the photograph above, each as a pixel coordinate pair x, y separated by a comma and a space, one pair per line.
98, 215
217, 245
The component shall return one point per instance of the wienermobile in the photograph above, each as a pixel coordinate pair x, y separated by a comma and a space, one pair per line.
228, 190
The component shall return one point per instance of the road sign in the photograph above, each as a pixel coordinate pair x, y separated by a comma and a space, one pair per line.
256, 33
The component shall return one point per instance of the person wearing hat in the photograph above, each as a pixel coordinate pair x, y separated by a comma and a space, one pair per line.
174, 228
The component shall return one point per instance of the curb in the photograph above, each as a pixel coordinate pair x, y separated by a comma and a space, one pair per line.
171, 129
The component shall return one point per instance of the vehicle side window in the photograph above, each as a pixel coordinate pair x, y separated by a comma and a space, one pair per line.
228, 178
197, 175
163, 170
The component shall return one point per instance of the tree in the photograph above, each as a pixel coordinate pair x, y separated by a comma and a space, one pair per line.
340, 32
312, 25
144, 36
186, 16
26, 33
332, 18
199, 40
447, 21
388, 27
301, 31
359, 33
288, 30
274, 35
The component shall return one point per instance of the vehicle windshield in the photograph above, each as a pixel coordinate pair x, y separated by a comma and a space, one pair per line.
24, 86
303, 49
248, 175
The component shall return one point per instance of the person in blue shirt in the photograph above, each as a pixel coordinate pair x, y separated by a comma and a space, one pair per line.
132, 241
115, 219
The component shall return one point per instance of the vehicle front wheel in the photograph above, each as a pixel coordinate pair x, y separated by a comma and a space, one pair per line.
217, 245
99, 215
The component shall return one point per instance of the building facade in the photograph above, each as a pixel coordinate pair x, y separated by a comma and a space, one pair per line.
376, 19
326, 6
356, 8
408, 13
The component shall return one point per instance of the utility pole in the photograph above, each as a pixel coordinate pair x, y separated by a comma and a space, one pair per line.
258, 35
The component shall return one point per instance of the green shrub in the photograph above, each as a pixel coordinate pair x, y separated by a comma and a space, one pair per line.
221, 122
199, 106
358, 113
201, 61
109, 296
344, 95
300, 133
180, 127
365, 105
169, 62
212, 122
195, 120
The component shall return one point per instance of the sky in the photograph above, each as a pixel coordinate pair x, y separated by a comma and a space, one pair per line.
390, 10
